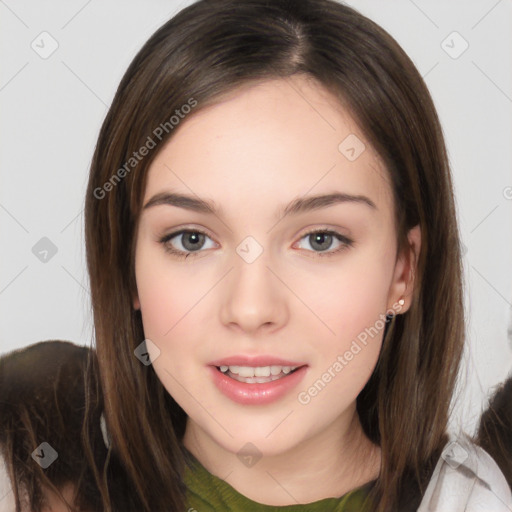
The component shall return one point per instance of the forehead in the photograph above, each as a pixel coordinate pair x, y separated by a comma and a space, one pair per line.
269, 143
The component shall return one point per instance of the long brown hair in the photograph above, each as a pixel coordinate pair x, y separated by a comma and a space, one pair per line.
211, 48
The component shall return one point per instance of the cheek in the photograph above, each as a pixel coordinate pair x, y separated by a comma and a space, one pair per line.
165, 293
167, 298
349, 297
175, 304
345, 346
349, 301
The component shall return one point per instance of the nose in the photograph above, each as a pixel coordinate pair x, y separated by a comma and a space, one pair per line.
253, 297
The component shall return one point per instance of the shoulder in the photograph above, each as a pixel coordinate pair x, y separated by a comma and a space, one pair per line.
466, 478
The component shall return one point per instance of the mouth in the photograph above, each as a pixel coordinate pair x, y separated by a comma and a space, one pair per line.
257, 374
257, 385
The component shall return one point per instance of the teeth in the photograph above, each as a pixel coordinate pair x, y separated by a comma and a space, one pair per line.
262, 371
257, 371
275, 370
254, 380
245, 371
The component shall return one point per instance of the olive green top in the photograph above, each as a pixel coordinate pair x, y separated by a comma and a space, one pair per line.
209, 493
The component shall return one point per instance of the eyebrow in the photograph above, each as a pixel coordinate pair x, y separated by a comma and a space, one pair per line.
300, 205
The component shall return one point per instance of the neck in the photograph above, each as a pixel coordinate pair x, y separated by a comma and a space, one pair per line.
329, 465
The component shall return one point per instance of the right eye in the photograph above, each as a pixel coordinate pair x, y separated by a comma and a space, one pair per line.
189, 241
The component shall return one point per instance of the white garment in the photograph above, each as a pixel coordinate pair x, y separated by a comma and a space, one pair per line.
466, 479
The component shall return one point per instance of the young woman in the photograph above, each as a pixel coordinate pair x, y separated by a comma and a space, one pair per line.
275, 272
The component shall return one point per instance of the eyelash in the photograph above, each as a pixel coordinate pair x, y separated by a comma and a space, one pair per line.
346, 242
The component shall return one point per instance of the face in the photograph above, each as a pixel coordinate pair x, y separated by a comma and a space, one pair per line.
225, 284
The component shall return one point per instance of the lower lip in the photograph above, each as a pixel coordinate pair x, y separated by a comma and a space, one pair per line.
257, 393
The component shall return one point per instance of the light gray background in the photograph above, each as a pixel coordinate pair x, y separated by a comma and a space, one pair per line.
52, 109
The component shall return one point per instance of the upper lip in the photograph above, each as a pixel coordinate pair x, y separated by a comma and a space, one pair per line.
245, 360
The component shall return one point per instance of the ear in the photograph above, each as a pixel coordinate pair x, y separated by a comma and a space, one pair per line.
135, 301
403, 283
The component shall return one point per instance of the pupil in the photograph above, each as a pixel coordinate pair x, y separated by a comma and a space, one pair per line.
191, 241
322, 239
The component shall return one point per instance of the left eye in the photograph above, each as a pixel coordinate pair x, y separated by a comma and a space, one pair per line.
322, 240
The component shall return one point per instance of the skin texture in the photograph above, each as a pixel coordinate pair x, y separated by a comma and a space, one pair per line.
252, 154
55, 502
